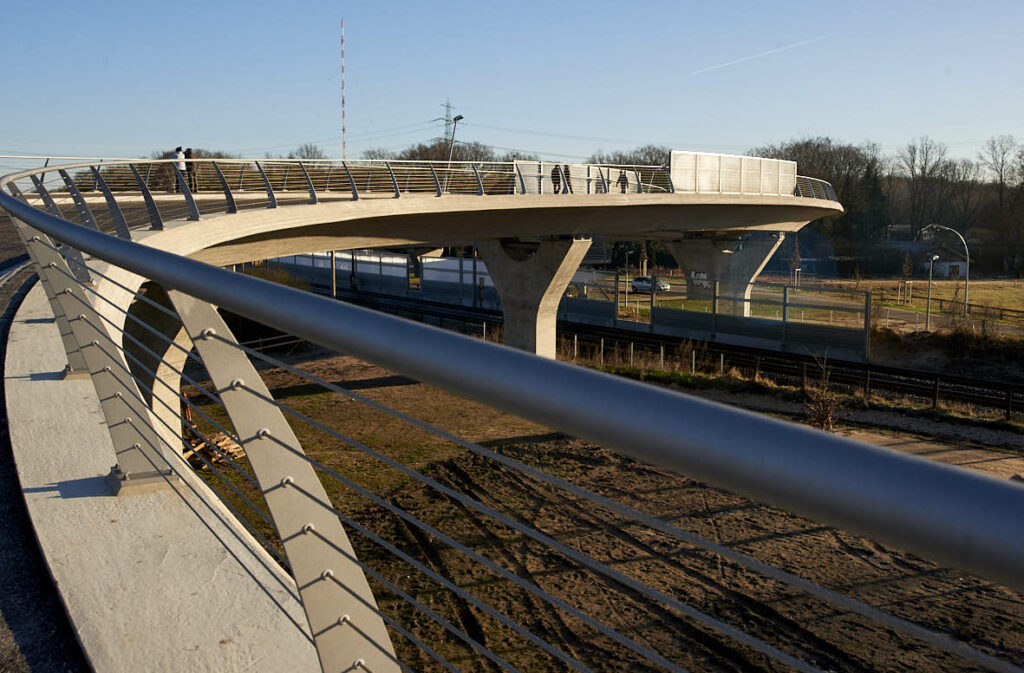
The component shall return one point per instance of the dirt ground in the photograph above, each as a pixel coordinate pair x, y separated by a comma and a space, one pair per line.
985, 615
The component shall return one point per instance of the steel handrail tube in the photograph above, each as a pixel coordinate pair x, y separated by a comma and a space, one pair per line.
957, 517
413, 163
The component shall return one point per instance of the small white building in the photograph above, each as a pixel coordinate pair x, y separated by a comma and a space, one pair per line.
950, 269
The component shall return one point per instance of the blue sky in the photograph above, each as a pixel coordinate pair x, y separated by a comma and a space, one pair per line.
559, 78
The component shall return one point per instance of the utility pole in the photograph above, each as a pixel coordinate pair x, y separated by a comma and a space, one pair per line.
448, 121
343, 148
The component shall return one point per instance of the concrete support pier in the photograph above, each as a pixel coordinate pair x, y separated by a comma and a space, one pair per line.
530, 279
733, 260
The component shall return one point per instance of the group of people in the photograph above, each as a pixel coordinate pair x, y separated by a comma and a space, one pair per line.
187, 169
561, 180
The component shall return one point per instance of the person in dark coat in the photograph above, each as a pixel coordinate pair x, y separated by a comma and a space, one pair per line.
622, 182
190, 171
556, 181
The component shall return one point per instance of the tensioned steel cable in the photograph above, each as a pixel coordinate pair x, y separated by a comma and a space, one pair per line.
265, 542
828, 595
227, 505
582, 559
214, 447
915, 630
440, 579
467, 595
209, 395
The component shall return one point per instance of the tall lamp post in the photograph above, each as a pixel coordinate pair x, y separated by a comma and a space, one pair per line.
451, 148
967, 259
928, 303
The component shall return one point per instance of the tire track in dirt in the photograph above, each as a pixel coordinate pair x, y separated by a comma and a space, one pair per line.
723, 656
766, 619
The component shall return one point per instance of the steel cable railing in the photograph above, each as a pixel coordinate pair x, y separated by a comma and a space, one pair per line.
836, 599
236, 297
147, 192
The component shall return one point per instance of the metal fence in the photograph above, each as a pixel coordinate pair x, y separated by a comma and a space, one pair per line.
376, 588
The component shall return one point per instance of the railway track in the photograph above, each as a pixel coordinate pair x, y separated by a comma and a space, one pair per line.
788, 368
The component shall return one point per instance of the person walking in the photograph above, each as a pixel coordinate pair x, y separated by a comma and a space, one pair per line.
568, 178
556, 181
190, 171
179, 157
622, 182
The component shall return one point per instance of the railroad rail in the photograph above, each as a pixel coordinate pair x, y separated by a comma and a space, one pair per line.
870, 378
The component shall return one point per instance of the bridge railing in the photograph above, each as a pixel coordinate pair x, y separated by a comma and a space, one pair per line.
106, 192
522, 558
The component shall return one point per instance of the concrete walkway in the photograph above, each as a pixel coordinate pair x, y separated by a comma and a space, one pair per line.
165, 581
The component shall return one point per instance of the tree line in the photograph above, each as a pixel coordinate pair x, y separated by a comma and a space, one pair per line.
884, 195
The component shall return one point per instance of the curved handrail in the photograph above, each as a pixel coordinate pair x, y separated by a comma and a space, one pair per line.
906, 501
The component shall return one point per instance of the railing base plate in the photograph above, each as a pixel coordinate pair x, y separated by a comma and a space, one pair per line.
139, 482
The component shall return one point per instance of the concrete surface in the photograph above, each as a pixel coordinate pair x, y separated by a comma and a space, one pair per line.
733, 261
531, 287
166, 581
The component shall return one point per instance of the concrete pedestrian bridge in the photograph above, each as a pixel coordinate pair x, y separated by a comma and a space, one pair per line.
169, 575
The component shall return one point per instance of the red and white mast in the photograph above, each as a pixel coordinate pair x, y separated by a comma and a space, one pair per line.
343, 152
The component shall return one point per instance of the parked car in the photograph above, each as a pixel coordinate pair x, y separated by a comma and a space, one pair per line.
643, 284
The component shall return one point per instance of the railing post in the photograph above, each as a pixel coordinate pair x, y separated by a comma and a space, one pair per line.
271, 199
229, 199
437, 182
319, 552
141, 454
120, 225
394, 182
76, 367
479, 182
190, 203
155, 222
309, 184
351, 181
80, 205
48, 203
519, 172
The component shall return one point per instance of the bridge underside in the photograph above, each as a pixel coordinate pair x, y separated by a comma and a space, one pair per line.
460, 220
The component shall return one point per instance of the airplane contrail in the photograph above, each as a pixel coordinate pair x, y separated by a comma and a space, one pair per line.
763, 53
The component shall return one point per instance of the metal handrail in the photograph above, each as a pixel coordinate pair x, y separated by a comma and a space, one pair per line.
910, 502
416, 175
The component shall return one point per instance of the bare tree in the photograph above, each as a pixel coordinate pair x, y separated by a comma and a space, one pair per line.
998, 157
647, 155
964, 192
378, 154
307, 151
922, 162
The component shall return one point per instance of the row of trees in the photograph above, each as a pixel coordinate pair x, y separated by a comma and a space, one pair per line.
983, 197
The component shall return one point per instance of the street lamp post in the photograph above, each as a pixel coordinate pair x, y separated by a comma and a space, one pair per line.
451, 148
928, 303
967, 260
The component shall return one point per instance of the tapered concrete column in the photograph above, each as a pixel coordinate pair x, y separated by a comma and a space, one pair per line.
733, 261
530, 279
